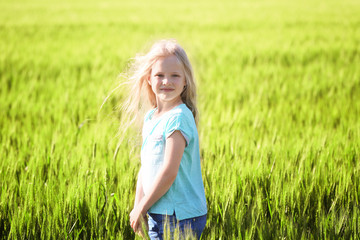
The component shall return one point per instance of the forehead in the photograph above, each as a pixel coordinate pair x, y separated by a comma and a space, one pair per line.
168, 63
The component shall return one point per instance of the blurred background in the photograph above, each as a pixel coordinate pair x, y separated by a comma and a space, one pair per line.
278, 95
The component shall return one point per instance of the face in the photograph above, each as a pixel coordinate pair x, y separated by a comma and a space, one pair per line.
167, 80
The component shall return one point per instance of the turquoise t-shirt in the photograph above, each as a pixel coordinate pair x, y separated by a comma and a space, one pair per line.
186, 196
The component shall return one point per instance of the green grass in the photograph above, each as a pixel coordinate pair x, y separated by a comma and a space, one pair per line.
279, 90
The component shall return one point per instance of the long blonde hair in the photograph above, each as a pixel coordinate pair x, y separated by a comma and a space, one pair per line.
141, 96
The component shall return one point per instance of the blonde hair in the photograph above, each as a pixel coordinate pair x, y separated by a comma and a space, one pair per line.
139, 73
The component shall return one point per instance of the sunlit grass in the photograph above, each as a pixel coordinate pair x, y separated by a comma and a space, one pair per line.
278, 91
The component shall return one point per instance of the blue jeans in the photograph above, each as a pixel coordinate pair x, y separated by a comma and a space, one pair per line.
157, 221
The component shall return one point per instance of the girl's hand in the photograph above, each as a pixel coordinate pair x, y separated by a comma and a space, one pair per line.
138, 221
175, 145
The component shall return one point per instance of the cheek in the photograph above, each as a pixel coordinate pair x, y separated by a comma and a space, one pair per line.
155, 84
184, 82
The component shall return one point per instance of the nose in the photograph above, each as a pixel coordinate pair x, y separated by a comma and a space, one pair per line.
165, 81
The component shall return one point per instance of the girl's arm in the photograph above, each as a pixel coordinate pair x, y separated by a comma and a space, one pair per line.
139, 189
139, 195
175, 146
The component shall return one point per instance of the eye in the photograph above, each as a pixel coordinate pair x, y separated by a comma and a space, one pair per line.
175, 75
159, 75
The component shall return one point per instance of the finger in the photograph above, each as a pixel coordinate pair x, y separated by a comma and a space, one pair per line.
135, 226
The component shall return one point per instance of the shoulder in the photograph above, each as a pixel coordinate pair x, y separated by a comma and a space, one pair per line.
181, 116
183, 112
181, 119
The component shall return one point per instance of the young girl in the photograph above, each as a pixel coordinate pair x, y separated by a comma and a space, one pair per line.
169, 185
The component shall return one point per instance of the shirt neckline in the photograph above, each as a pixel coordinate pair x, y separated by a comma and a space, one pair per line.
152, 113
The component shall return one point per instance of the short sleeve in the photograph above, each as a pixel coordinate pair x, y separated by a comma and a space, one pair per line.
180, 123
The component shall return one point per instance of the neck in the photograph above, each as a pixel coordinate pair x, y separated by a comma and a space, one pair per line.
163, 107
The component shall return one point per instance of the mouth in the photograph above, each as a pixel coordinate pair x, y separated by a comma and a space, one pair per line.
166, 89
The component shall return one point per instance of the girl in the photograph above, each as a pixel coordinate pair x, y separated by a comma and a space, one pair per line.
169, 185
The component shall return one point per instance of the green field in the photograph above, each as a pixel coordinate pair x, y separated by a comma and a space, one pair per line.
279, 101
